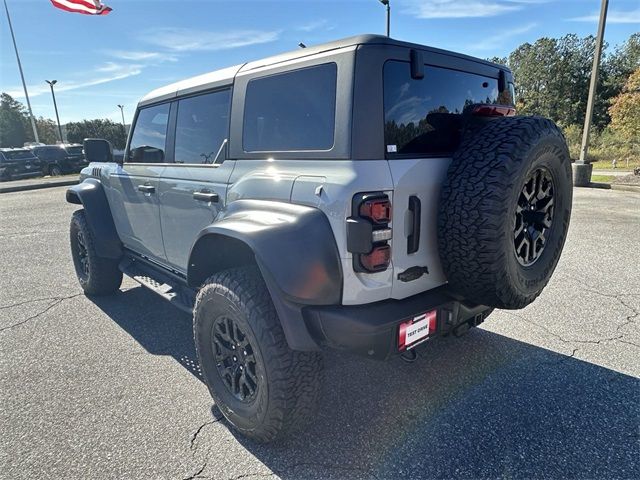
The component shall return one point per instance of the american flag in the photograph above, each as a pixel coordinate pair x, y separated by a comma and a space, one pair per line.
88, 7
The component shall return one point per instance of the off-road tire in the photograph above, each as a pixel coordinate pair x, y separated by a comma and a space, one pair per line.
289, 381
101, 275
477, 215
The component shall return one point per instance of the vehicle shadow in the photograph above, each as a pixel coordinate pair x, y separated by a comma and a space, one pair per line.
481, 406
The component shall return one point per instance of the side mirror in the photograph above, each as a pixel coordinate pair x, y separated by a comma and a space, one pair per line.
97, 150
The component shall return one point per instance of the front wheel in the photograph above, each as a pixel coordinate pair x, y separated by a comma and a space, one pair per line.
264, 389
97, 275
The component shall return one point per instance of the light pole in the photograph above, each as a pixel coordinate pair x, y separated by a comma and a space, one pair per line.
388, 5
121, 107
24, 84
55, 106
582, 168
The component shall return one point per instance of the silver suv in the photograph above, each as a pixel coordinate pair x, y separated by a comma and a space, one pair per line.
365, 195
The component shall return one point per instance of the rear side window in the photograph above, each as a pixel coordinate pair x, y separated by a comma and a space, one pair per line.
19, 155
74, 150
291, 111
424, 116
202, 126
149, 135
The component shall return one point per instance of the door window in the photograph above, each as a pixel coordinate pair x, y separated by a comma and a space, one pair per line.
291, 111
149, 135
201, 127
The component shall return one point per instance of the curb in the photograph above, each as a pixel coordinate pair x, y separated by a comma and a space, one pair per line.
625, 188
37, 186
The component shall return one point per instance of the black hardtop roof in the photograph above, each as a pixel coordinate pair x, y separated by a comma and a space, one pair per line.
363, 39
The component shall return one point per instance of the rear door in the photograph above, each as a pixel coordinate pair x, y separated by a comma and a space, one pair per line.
134, 186
423, 126
193, 187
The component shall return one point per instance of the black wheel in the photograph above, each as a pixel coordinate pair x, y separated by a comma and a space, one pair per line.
505, 210
264, 389
55, 171
97, 275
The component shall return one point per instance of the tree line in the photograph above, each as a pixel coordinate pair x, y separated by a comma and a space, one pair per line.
551, 75
15, 127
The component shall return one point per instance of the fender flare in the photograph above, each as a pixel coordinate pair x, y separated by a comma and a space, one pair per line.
294, 248
90, 194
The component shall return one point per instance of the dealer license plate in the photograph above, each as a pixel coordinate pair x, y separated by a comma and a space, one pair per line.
417, 329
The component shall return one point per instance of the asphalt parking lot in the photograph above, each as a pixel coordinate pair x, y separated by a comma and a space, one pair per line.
109, 387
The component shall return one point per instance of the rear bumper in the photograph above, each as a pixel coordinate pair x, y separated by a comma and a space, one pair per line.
372, 329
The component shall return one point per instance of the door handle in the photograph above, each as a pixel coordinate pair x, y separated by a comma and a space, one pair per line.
146, 188
206, 197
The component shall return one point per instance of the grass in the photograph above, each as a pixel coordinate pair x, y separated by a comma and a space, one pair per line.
602, 178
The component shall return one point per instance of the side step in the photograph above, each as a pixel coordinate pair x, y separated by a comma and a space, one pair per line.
167, 287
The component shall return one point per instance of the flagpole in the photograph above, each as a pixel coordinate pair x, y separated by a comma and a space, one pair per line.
24, 85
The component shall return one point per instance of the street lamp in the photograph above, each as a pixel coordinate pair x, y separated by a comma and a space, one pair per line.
55, 106
121, 107
387, 4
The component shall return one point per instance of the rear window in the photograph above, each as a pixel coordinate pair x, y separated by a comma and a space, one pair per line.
291, 111
74, 150
424, 116
19, 155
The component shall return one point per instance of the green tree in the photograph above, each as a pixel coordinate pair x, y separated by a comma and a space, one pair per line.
625, 110
12, 122
98, 128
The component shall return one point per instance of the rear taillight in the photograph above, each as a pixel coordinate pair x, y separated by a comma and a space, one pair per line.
377, 210
368, 232
378, 260
494, 111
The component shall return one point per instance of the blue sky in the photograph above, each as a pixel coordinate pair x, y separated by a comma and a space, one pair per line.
100, 62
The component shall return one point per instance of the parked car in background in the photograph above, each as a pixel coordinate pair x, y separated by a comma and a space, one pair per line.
16, 163
61, 159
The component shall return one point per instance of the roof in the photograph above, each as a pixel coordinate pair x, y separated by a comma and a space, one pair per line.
225, 76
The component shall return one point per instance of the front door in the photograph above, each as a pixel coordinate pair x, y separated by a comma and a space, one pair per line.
134, 185
193, 189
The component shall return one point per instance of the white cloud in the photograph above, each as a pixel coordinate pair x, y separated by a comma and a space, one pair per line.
613, 16
498, 40
115, 72
138, 56
189, 40
461, 8
314, 25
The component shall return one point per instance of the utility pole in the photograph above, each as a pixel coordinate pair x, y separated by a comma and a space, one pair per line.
55, 106
24, 85
387, 4
582, 168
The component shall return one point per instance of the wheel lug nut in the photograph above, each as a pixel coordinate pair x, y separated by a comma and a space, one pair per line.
235, 359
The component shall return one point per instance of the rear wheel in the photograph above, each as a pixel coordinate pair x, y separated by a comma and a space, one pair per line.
97, 275
504, 211
55, 171
264, 389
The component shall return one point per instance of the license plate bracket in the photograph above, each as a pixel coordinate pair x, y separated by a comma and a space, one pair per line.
417, 329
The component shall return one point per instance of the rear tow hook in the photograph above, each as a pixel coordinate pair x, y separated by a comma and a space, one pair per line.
409, 356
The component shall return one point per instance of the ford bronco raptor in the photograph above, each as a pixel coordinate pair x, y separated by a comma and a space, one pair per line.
365, 195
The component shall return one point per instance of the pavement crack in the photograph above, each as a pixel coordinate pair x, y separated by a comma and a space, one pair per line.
192, 445
55, 302
197, 474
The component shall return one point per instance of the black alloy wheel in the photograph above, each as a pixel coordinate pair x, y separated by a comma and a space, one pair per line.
534, 216
235, 359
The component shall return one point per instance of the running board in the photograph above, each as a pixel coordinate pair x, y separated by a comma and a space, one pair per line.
170, 289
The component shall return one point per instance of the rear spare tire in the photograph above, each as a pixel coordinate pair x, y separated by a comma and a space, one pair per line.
504, 211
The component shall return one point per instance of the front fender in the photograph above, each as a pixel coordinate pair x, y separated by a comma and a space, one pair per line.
90, 194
